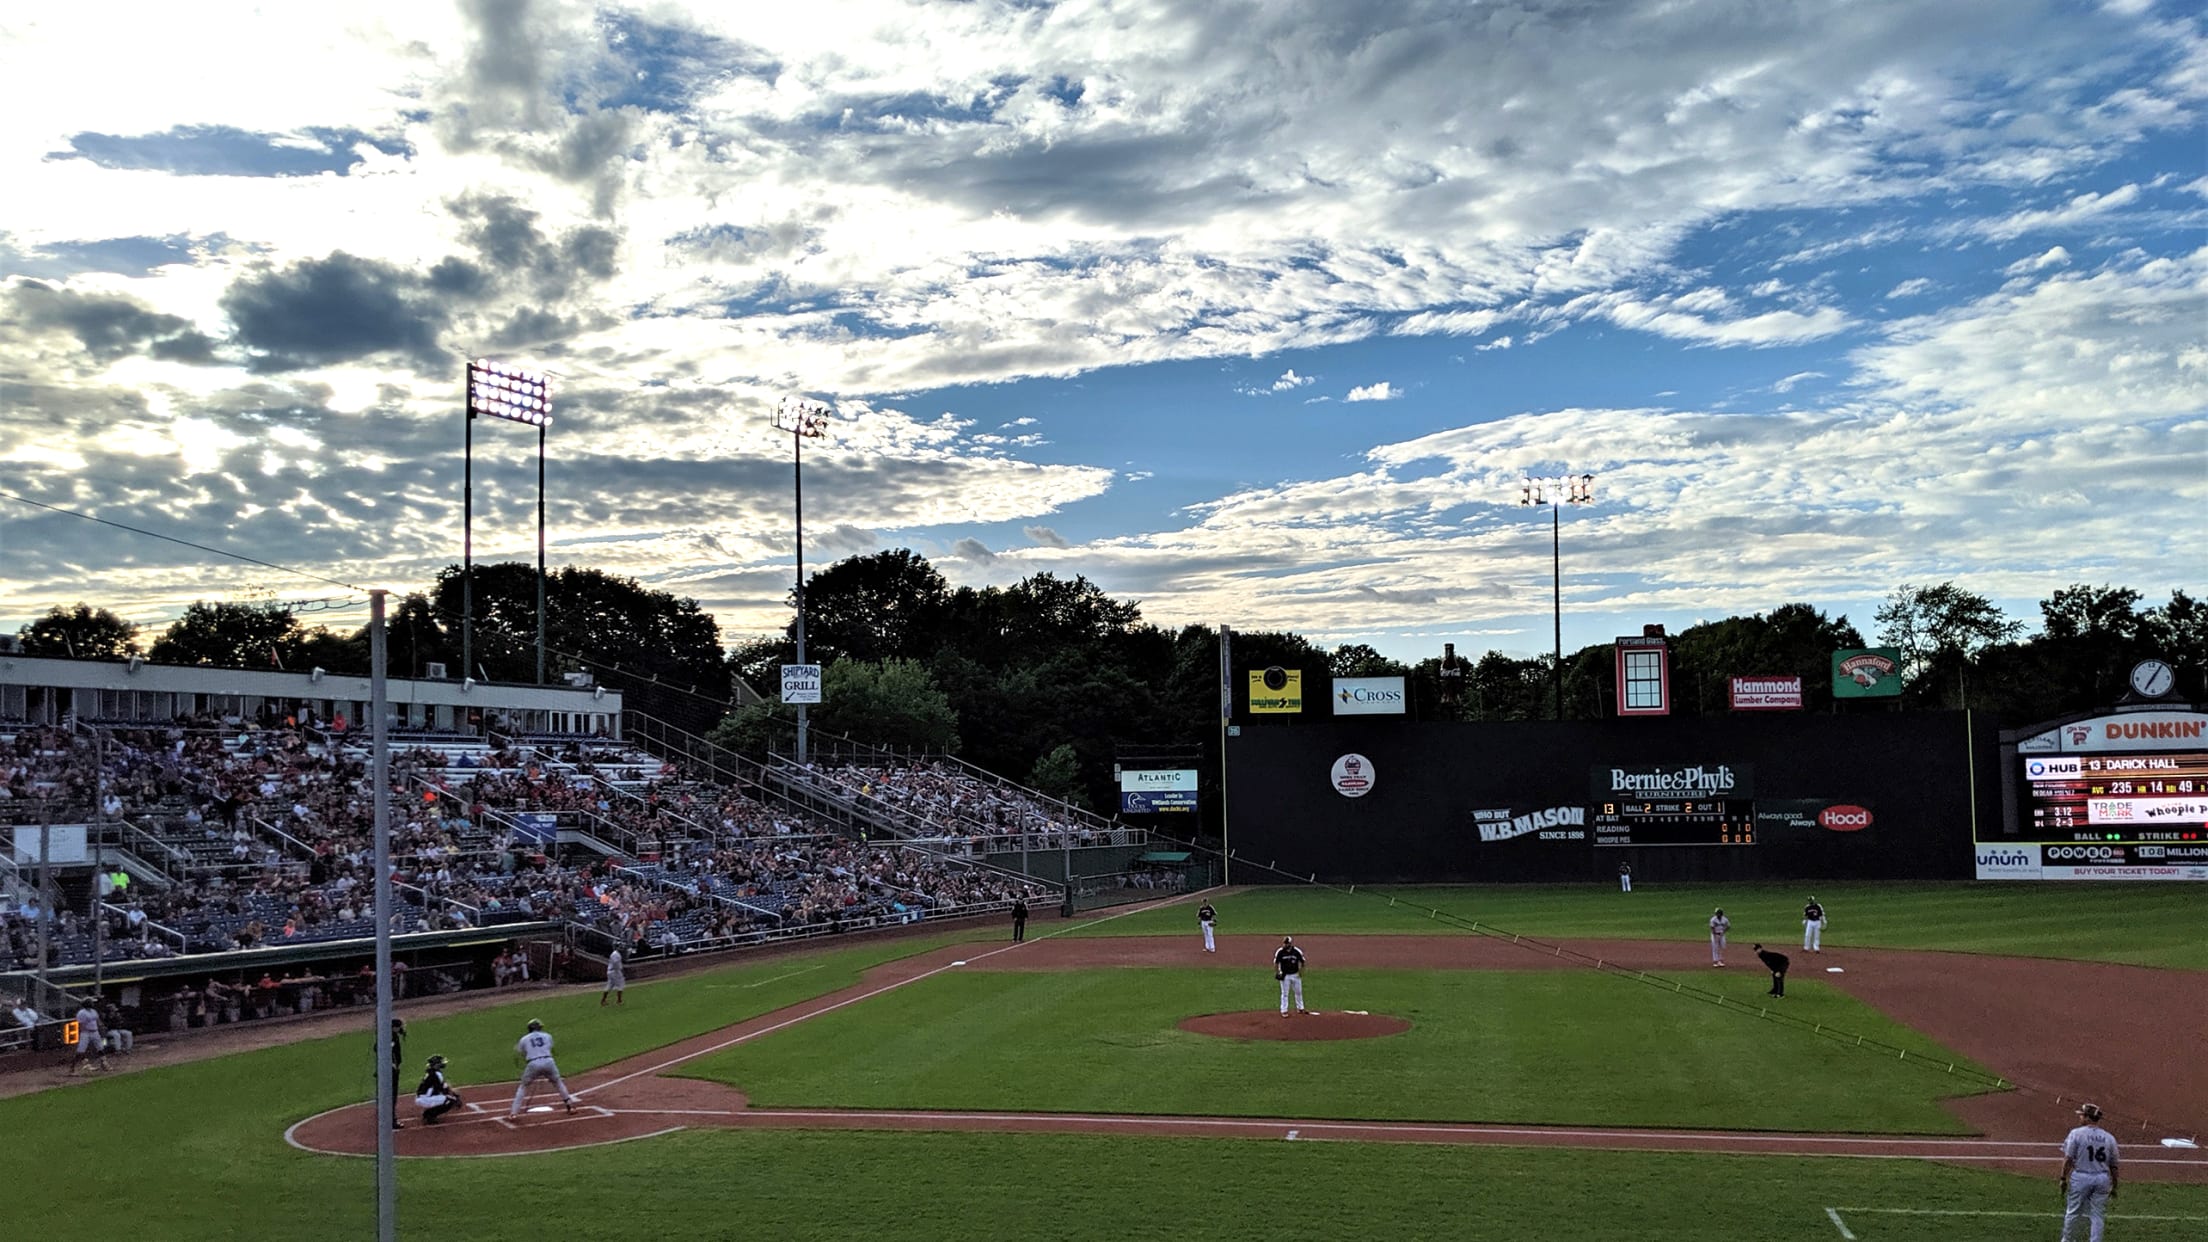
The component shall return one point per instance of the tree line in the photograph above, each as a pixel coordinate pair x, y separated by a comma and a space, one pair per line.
1049, 679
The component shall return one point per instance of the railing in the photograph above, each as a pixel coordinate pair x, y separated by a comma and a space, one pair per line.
166, 932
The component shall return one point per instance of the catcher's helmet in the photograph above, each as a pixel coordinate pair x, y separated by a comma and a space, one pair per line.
535, 1025
436, 1063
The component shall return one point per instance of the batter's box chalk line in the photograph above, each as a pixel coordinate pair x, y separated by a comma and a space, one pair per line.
2053, 1214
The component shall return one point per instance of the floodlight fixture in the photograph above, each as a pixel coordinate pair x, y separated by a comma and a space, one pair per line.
802, 416
804, 419
1570, 489
503, 391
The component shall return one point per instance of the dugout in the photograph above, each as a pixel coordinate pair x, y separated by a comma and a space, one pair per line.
1769, 797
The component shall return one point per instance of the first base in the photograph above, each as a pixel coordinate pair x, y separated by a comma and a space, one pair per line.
1835, 970
958, 963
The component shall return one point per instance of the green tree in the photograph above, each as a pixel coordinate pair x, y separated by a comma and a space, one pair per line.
81, 633
223, 635
890, 703
887, 606
1361, 660
1058, 774
2103, 612
1942, 631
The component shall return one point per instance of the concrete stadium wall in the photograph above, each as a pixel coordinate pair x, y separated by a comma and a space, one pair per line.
1922, 776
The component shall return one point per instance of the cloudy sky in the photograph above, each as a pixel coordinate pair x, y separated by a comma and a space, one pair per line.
1256, 312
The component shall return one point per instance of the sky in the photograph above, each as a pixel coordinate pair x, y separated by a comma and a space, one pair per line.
1257, 313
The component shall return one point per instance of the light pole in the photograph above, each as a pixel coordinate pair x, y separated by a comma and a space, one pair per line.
1556, 493
805, 419
496, 390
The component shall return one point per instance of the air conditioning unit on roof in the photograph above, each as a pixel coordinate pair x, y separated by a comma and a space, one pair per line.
434, 671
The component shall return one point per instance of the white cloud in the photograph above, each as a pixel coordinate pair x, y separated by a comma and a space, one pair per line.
1910, 288
1788, 383
2054, 256
2085, 208
1289, 381
1382, 391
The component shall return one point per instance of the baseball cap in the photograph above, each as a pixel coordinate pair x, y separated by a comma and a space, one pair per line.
2091, 1112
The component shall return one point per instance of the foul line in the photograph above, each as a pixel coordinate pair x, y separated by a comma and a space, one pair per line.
866, 996
1839, 1224
2057, 1215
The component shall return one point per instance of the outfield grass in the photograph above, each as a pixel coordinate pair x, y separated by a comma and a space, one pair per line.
1564, 1047
2144, 924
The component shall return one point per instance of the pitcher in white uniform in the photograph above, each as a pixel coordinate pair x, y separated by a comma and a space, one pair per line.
1719, 925
535, 1050
617, 980
2090, 1166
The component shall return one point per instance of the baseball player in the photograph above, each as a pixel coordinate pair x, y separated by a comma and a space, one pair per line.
1288, 968
90, 1046
1625, 877
1813, 927
1719, 925
535, 1050
1019, 918
2090, 1165
1205, 917
435, 1096
617, 982
1778, 963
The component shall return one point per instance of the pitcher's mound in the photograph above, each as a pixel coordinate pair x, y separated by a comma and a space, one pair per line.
1268, 1024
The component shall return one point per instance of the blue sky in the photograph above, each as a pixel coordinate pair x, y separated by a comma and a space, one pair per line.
1257, 313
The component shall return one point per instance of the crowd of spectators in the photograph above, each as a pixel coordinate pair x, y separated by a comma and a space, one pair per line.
937, 798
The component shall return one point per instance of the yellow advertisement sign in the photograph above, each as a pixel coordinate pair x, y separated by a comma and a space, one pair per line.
1276, 691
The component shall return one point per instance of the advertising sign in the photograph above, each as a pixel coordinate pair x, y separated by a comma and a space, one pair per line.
801, 683
1144, 791
536, 827
1656, 780
1811, 815
2032, 861
1369, 696
1866, 673
1353, 776
65, 843
1766, 694
2122, 731
1554, 823
1276, 691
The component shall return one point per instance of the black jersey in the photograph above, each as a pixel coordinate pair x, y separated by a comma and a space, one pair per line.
1205, 914
433, 1083
1288, 960
1813, 912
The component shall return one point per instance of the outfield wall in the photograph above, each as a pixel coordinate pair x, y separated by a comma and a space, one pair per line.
1890, 796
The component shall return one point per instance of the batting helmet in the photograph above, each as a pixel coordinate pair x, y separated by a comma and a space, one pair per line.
535, 1025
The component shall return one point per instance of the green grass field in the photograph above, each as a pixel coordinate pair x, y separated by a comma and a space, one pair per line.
194, 1151
1547, 1046
2144, 924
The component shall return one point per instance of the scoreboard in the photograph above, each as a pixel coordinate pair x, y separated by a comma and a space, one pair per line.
2151, 798
1674, 821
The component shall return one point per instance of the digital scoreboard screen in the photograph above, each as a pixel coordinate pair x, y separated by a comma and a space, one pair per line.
2154, 798
1673, 821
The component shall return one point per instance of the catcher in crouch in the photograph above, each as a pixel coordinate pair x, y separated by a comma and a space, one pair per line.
435, 1096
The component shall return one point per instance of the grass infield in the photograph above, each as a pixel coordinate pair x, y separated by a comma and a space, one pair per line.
1562, 1047
2143, 924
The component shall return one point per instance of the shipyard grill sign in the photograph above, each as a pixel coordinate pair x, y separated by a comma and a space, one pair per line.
1660, 781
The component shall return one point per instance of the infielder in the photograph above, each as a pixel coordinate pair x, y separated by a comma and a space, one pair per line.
1813, 927
1625, 877
1288, 968
617, 981
435, 1097
536, 1054
2090, 1166
1205, 917
1719, 925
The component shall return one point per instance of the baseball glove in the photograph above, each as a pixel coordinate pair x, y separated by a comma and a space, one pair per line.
1277, 976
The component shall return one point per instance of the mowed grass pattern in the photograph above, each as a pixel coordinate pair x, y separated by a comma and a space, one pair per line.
1552, 1046
2143, 924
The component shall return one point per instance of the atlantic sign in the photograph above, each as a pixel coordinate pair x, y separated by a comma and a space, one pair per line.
1369, 696
1145, 791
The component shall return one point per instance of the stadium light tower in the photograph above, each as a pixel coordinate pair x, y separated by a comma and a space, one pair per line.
805, 419
1571, 489
496, 390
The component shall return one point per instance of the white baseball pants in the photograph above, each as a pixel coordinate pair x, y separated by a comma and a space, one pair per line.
1813, 935
2088, 1197
1209, 945
1290, 983
1625, 883
538, 1071
1717, 948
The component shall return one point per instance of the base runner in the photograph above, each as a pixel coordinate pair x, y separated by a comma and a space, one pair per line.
2090, 1167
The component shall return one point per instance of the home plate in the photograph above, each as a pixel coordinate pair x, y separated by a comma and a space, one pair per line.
1835, 970
540, 1108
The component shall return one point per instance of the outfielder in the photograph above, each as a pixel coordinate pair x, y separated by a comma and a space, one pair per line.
2090, 1166
1813, 927
1719, 925
435, 1097
1288, 968
1205, 917
535, 1049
